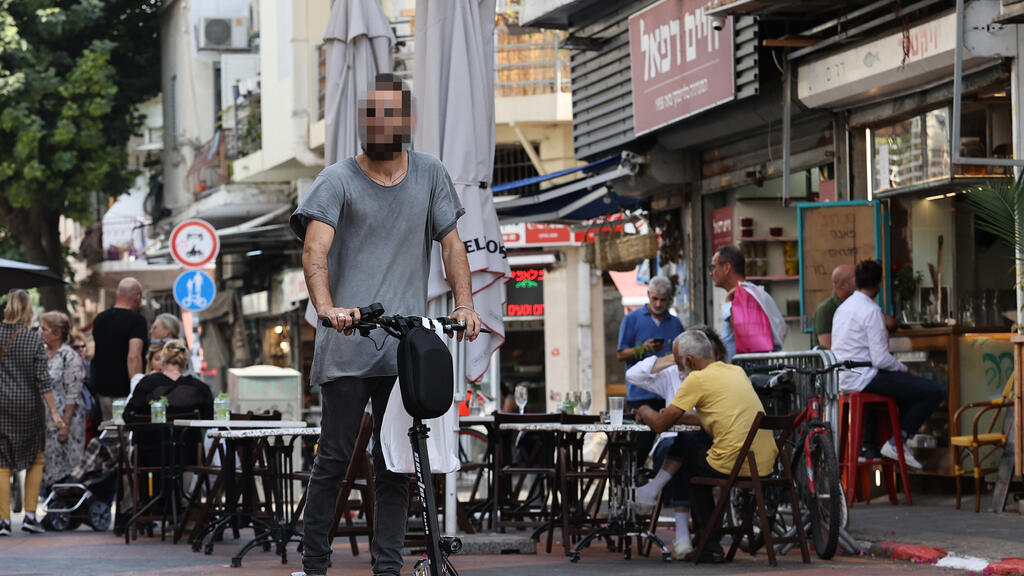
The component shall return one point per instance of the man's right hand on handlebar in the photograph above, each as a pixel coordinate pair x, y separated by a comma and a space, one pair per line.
341, 319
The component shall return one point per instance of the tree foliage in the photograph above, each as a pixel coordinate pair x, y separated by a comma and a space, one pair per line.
72, 73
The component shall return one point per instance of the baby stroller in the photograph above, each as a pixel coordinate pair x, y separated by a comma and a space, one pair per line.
86, 495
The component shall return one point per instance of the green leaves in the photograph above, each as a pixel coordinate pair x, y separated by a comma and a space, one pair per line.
998, 207
72, 73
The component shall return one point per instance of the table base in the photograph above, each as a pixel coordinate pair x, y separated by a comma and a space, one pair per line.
624, 531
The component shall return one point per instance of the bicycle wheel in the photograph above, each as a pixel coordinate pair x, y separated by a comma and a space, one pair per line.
826, 502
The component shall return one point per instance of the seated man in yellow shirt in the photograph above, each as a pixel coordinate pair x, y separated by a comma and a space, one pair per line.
726, 405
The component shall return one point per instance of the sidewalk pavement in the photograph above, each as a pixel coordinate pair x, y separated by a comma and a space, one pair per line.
933, 529
907, 534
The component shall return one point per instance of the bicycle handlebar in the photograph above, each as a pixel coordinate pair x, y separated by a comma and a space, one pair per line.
845, 365
372, 316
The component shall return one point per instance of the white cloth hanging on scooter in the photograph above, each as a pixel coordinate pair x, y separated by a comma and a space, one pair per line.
442, 443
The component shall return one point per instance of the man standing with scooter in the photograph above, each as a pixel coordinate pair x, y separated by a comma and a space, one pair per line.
367, 228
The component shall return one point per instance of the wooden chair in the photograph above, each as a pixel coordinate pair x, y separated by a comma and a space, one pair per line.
359, 478
580, 483
975, 441
169, 447
508, 510
783, 426
209, 480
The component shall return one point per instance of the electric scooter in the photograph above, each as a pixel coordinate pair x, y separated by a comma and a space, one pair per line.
438, 385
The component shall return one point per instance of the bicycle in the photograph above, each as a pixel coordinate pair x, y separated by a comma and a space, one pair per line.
439, 548
811, 448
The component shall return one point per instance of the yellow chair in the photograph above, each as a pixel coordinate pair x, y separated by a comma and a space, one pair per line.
976, 440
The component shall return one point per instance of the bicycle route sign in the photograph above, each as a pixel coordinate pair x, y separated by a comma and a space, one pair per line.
194, 243
194, 290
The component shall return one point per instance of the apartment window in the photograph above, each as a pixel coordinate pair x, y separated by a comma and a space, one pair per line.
511, 163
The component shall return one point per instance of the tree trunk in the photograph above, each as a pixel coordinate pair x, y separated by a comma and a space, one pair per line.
42, 245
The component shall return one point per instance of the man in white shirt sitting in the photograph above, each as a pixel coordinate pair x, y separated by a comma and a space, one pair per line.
859, 334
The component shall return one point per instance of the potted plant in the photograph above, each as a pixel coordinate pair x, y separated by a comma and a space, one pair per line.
999, 210
905, 282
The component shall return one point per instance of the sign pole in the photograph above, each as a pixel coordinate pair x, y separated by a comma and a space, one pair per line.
197, 360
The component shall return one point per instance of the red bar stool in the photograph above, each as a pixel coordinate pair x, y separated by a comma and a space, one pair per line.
851, 432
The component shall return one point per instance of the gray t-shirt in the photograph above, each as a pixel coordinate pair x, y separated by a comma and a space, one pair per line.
381, 253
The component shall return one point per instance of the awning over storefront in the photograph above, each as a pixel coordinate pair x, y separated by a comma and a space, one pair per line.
589, 197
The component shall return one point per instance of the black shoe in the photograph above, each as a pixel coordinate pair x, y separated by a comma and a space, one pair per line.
32, 525
5, 528
867, 454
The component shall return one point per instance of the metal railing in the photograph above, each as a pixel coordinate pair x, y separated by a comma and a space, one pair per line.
529, 62
805, 386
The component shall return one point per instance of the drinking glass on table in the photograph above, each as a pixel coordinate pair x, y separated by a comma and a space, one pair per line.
522, 397
585, 399
615, 406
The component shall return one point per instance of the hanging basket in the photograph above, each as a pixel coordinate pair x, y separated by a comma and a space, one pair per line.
622, 252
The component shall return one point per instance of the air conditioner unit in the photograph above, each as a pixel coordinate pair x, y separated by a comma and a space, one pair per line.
224, 33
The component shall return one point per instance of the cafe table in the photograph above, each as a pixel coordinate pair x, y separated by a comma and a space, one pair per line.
212, 458
622, 467
471, 519
277, 527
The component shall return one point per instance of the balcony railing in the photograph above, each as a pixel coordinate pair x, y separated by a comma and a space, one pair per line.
529, 62
240, 134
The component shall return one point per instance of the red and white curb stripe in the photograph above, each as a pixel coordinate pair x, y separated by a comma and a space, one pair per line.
920, 554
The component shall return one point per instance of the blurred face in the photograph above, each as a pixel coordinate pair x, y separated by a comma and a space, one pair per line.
684, 363
79, 347
844, 287
51, 335
155, 365
719, 271
159, 331
385, 122
658, 303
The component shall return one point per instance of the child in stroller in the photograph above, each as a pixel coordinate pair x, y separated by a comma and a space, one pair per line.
86, 495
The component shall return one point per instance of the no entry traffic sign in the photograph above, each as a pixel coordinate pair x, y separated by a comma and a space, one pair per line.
194, 243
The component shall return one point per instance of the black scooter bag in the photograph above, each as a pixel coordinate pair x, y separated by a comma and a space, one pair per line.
425, 374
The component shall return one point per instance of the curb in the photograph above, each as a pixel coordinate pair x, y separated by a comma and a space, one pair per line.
920, 554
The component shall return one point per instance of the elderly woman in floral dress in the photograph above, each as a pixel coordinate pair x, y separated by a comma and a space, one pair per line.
65, 443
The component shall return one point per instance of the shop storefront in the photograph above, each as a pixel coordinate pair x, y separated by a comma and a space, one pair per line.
949, 284
553, 317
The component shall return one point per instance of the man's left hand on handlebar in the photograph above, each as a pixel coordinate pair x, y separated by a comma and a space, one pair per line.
471, 319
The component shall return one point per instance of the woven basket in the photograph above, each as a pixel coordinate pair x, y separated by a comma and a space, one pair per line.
622, 252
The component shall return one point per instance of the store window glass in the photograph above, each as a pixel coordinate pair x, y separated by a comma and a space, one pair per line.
911, 151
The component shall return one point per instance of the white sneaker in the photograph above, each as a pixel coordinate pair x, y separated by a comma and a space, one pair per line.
889, 451
680, 548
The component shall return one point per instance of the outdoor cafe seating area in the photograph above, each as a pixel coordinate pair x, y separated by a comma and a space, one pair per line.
565, 480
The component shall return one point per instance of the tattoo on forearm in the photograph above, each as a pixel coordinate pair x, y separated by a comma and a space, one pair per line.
318, 269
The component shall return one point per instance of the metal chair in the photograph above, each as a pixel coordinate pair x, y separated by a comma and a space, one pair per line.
973, 443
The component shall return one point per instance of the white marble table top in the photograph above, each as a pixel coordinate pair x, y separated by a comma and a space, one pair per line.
229, 424
482, 419
585, 428
628, 428
263, 433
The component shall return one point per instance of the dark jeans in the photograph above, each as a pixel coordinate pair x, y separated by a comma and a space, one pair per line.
344, 401
673, 449
692, 452
916, 397
644, 440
